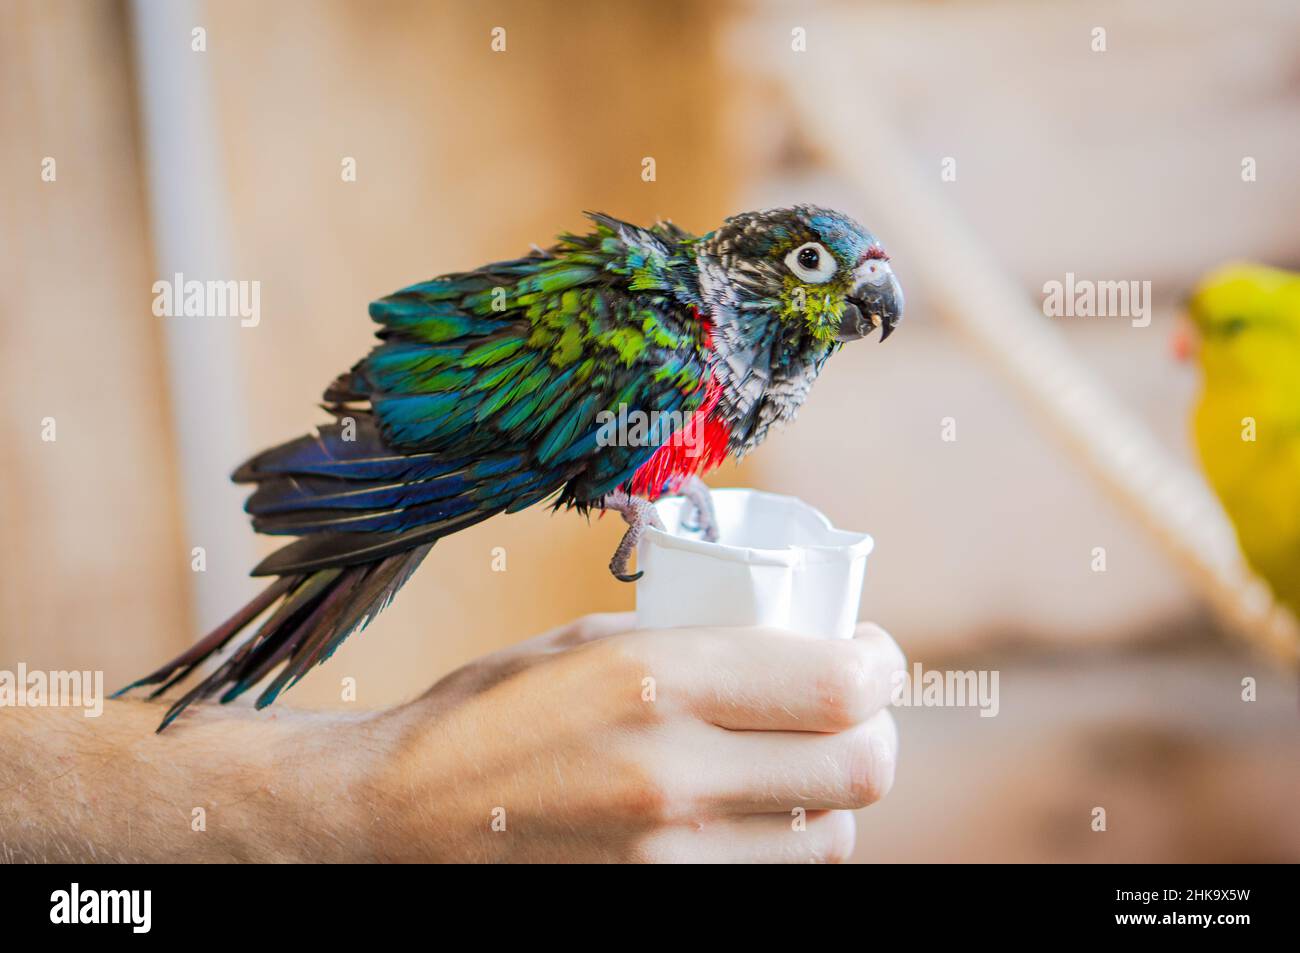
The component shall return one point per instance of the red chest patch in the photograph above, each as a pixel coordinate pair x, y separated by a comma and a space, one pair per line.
697, 447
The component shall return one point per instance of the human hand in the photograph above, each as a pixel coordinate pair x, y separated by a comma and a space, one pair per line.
594, 743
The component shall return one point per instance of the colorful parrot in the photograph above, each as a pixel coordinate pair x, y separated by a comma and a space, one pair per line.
1247, 422
486, 396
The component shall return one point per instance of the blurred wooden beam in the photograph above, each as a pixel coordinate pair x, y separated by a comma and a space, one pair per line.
93, 570
978, 297
182, 144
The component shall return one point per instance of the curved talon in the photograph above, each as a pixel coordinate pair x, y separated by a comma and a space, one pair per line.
638, 514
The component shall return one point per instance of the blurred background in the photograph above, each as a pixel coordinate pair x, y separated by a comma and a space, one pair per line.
1118, 688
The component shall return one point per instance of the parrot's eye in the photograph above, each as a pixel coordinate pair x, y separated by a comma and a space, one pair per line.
1233, 326
811, 262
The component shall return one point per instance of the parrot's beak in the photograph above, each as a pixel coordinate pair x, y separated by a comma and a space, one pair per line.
1185, 342
876, 302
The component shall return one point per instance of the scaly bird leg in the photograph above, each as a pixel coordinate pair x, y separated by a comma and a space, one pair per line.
701, 515
638, 513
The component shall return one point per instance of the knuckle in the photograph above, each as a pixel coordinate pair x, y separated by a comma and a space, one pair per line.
895, 661
627, 684
645, 803
637, 649
847, 687
581, 629
680, 661
870, 762
570, 634
597, 625
592, 627
648, 803
890, 654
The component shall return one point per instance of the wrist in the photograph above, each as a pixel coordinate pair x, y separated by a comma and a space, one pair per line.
286, 787
314, 789
405, 789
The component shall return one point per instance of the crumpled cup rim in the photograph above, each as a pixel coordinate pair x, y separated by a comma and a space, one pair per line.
854, 545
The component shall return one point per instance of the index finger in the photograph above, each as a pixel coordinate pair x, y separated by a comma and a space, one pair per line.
768, 680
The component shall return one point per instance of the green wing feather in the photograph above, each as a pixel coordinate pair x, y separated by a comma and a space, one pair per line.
520, 356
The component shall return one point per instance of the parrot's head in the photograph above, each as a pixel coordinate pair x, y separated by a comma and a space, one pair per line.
812, 268
1247, 323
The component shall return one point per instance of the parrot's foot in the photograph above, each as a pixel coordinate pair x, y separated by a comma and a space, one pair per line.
638, 514
701, 517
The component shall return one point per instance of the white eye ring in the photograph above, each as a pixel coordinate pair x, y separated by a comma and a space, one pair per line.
812, 263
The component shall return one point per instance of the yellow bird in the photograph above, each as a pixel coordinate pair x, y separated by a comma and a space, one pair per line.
1247, 423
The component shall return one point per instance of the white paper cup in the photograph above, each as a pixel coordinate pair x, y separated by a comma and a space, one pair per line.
778, 562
